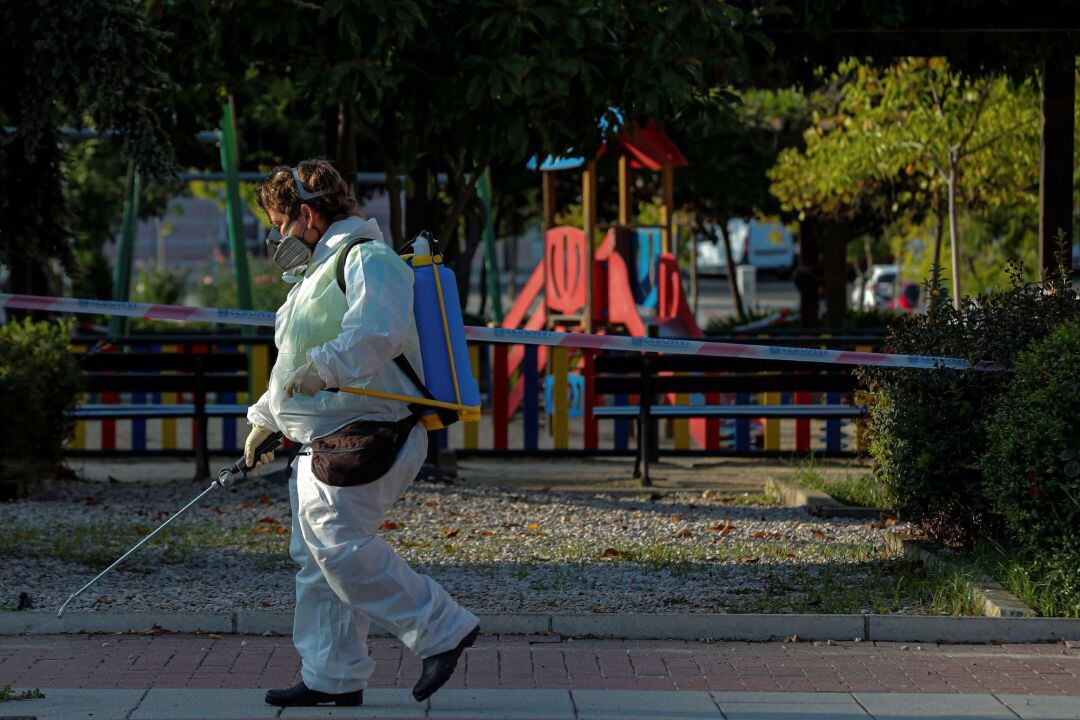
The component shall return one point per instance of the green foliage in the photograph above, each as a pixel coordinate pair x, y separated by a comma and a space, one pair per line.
1047, 581
861, 490
96, 63
887, 144
215, 285
159, 285
39, 380
927, 427
6, 693
1032, 466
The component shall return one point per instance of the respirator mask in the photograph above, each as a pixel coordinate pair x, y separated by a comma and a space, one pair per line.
291, 253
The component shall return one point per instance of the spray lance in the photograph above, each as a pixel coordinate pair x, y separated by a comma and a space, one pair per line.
225, 478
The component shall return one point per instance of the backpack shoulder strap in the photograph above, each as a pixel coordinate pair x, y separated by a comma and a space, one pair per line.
343, 255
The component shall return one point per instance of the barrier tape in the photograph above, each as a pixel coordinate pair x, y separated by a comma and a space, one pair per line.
548, 338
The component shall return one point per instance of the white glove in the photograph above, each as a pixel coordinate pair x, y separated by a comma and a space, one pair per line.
255, 438
306, 380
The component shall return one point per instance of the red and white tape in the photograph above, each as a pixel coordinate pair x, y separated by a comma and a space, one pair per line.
669, 346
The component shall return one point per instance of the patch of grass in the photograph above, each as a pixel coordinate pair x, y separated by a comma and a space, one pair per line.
99, 544
1049, 585
6, 693
860, 490
877, 587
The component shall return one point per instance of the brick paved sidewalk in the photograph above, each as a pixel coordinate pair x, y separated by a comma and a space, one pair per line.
539, 662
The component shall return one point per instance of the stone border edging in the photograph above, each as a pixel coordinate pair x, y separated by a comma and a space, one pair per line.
996, 601
816, 502
641, 626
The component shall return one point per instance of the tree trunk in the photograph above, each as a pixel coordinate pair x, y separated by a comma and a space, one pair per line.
807, 277
939, 233
393, 196
419, 208
736, 296
954, 240
346, 146
834, 261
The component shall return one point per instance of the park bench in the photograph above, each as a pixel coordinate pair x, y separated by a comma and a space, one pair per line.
148, 372
649, 376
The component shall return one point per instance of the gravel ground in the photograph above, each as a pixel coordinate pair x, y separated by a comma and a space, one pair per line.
495, 549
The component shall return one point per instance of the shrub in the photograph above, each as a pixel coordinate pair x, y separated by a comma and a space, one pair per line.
1032, 466
926, 427
160, 286
215, 285
39, 381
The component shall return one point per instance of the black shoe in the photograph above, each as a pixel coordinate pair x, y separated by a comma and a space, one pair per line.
439, 668
300, 695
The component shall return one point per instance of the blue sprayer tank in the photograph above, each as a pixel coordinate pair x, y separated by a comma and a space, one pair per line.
442, 335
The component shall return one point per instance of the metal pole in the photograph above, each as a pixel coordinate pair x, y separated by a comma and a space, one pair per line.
491, 262
234, 209
122, 271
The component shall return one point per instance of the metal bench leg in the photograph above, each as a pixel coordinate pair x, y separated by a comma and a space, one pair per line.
645, 429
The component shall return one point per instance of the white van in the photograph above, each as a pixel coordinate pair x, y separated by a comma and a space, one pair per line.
765, 244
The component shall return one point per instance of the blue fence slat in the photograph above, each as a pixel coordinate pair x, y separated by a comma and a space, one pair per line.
228, 425
531, 399
742, 425
833, 436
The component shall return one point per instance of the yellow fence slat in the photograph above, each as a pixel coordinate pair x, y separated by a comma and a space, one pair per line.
560, 398
682, 426
472, 429
168, 425
772, 425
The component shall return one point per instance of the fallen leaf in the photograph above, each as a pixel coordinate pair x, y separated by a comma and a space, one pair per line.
387, 525
820, 535
486, 533
532, 526
280, 530
410, 544
789, 556
611, 552
265, 500
676, 518
451, 533
92, 501
758, 535
685, 532
260, 529
890, 521
746, 560
722, 528
270, 520
432, 503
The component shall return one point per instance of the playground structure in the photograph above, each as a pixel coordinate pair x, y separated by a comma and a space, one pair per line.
629, 283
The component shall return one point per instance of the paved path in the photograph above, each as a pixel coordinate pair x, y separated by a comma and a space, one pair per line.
535, 676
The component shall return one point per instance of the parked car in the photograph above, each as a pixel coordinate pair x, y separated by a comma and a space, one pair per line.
766, 245
877, 292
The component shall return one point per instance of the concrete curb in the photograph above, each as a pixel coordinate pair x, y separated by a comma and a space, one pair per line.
816, 502
698, 626
996, 600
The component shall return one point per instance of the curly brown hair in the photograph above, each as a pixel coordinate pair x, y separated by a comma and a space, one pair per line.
278, 192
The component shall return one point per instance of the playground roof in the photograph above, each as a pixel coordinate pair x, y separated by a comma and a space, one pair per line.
647, 146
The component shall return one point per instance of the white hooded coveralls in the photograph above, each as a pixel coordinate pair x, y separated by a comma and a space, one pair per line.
348, 575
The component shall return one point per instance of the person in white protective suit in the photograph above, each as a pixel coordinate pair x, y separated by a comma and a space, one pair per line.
359, 453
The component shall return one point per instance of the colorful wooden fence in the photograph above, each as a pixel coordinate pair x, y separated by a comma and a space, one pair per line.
150, 435
536, 426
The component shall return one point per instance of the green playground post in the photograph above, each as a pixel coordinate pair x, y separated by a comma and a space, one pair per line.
128, 225
491, 264
234, 209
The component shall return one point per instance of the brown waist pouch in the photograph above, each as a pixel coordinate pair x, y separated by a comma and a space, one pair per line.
359, 453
